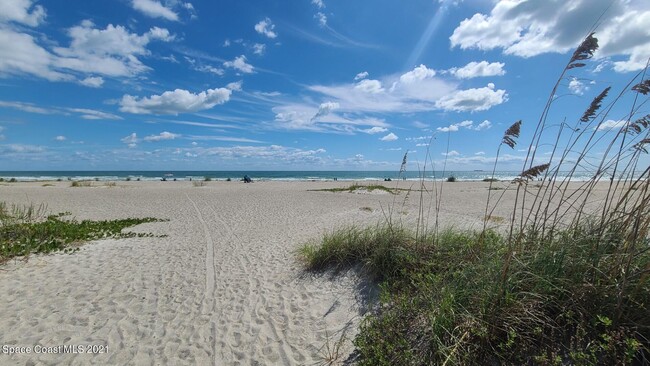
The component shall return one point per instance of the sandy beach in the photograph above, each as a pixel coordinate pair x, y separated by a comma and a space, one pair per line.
220, 284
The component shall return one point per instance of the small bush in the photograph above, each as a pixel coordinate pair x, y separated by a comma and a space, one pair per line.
490, 180
13, 180
81, 183
128, 179
207, 179
228, 180
198, 184
451, 179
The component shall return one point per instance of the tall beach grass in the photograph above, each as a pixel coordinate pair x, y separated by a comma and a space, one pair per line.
566, 281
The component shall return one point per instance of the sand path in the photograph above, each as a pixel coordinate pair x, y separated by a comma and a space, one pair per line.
222, 288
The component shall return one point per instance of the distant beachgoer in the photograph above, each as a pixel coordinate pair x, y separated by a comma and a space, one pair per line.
247, 179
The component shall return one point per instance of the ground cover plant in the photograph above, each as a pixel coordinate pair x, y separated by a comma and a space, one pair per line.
563, 280
356, 187
26, 230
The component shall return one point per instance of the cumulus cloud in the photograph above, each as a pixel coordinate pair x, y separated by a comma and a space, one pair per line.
131, 140
60, 138
322, 19
577, 87
162, 136
451, 153
471, 100
154, 9
239, 63
92, 82
417, 74
611, 124
259, 48
527, 29
175, 102
361, 75
265, 27
325, 109
22, 11
113, 51
454, 127
478, 69
318, 3
369, 86
390, 137
235, 86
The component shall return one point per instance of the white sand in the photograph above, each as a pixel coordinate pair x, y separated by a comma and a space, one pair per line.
224, 287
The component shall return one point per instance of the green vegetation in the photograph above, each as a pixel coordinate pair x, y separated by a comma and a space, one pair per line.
460, 298
564, 281
451, 179
490, 180
198, 183
207, 179
27, 230
355, 187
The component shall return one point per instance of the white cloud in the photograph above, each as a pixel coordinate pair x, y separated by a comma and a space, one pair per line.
361, 75
324, 109
92, 82
93, 114
390, 137
479, 153
374, 130
478, 69
369, 86
454, 127
162, 136
526, 29
174, 102
611, 124
131, 140
259, 48
318, 3
451, 153
478, 99
485, 125
417, 74
154, 9
27, 107
21, 11
226, 43
301, 117
266, 27
60, 138
239, 63
112, 51
414, 91
210, 69
322, 19
577, 87
235, 86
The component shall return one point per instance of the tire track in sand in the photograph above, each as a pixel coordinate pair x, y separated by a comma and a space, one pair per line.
210, 274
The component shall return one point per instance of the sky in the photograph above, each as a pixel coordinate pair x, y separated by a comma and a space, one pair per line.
301, 84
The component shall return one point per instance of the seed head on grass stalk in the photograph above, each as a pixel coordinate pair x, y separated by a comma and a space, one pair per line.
594, 106
511, 134
584, 52
642, 87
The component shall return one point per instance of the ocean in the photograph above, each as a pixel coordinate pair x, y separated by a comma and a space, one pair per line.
476, 175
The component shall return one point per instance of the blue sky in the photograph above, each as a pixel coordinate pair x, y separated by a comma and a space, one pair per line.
298, 85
